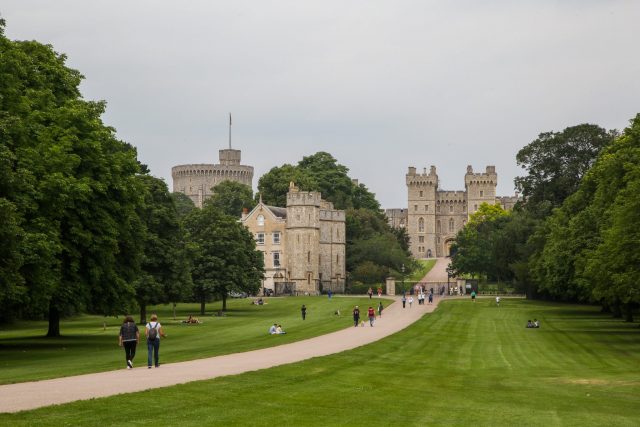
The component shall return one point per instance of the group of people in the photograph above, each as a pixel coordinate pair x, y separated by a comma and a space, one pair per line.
534, 324
422, 296
370, 292
130, 337
191, 320
371, 314
276, 329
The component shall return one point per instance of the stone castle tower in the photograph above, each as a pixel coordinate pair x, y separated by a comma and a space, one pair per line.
315, 242
433, 217
197, 180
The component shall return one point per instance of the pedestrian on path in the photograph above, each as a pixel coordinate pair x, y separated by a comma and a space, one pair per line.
380, 307
473, 296
372, 315
404, 301
356, 316
303, 310
431, 298
410, 302
329, 293
379, 291
153, 332
129, 339
370, 293
498, 301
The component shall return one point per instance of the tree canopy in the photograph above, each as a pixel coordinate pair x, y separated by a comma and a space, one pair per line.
232, 197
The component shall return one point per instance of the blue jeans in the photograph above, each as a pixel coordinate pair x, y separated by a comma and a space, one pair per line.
153, 348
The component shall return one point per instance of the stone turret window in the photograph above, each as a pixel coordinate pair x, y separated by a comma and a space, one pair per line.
438, 227
451, 225
426, 208
421, 239
421, 225
481, 193
450, 208
415, 208
438, 208
420, 193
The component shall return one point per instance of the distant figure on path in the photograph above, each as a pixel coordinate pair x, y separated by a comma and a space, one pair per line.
303, 310
380, 307
431, 298
370, 293
410, 302
473, 296
129, 338
153, 332
379, 291
372, 315
404, 301
498, 301
329, 293
356, 316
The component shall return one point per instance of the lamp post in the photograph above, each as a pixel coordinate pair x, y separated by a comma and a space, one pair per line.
402, 268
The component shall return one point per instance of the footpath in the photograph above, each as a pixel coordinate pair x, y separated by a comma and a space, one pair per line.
36, 394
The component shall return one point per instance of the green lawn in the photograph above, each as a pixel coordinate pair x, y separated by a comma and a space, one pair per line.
465, 364
86, 347
425, 265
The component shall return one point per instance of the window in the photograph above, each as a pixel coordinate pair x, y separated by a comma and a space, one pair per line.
450, 208
421, 225
421, 239
415, 208
426, 208
475, 208
260, 238
260, 220
309, 256
276, 238
451, 224
276, 259
481, 193
438, 208
421, 194
438, 227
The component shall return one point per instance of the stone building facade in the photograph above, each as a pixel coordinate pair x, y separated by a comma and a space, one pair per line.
433, 216
197, 180
304, 244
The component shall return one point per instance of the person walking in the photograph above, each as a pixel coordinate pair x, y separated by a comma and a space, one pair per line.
153, 332
498, 301
303, 310
404, 301
379, 291
356, 316
380, 307
372, 315
129, 338
473, 296
410, 301
370, 293
329, 293
431, 298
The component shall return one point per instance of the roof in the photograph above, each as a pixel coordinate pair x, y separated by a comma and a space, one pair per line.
278, 211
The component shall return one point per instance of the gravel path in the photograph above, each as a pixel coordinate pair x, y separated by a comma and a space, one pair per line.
30, 395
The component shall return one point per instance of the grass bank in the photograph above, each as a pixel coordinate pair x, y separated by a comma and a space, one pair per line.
466, 364
87, 346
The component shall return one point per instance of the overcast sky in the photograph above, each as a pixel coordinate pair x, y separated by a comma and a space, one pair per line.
381, 85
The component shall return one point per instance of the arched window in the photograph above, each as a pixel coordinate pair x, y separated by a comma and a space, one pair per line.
451, 225
260, 220
421, 225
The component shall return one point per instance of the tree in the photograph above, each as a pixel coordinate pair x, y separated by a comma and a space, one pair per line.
72, 195
184, 204
232, 197
556, 162
165, 274
274, 185
224, 255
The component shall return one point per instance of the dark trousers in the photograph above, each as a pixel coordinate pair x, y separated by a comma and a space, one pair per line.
355, 320
304, 315
403, 304
129, 349
153, 348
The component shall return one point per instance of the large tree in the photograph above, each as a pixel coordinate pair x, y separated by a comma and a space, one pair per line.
224, 255
556, 162
165, 276
72, 194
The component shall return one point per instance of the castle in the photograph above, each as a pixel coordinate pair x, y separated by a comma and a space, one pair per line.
303, 243
433, 216
197, 180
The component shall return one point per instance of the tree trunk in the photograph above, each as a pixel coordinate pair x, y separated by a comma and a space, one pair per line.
143, 314
224, 302
174, 311
616, 310
628, 308
54, 321
202, 302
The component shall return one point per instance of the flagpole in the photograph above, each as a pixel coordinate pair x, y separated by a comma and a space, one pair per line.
229, 131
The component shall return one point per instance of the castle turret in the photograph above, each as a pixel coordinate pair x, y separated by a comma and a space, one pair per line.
422, 190
480, 188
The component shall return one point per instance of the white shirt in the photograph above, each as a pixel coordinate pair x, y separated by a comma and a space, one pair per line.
156, 325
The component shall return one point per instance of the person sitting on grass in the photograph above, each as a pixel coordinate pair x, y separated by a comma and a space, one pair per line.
191, 320
279, 330
536, 324
273, 328
529, 324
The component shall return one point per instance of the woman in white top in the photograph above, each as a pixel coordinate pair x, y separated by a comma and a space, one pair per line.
153, 331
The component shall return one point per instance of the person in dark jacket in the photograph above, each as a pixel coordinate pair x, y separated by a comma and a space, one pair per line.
356, 316
129, 339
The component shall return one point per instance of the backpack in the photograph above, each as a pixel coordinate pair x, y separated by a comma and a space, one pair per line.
153, 332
